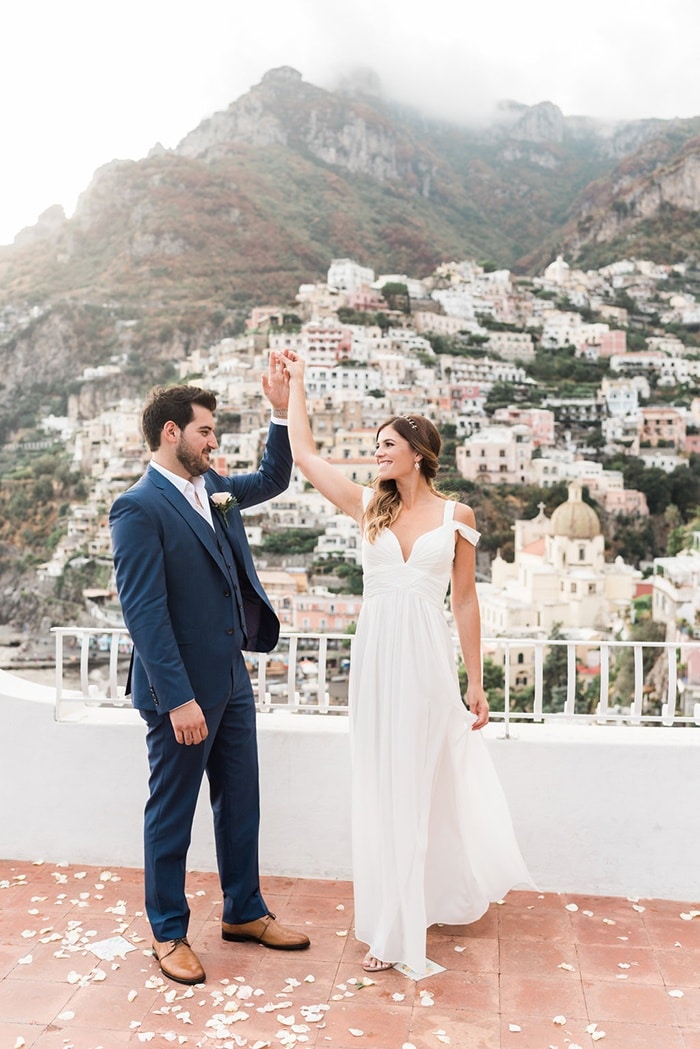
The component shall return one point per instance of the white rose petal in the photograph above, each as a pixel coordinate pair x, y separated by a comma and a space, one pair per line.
565, 965
572, 907
676, 994
356, 1032
514, 1027
561, 1020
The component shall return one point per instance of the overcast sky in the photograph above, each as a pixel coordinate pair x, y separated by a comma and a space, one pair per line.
83, 82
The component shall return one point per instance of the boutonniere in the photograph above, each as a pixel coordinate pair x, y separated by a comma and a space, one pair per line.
223, 502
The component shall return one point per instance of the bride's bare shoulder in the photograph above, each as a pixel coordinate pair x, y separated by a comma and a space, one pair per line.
465, 515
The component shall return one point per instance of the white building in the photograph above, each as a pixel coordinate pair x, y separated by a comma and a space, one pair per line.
496, 455
346, 275
559, 575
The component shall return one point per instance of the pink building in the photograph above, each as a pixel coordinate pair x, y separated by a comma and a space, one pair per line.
325, 613
540, 421
612, 342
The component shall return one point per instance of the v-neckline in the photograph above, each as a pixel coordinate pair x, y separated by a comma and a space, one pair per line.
418, 538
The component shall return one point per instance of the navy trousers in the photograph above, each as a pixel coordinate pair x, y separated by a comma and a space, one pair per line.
229, 756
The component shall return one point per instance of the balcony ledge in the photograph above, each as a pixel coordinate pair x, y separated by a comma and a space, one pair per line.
597, 809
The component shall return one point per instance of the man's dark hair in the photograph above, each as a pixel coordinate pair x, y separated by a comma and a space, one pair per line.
172, 403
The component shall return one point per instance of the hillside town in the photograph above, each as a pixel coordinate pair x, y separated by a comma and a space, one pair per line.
371, 345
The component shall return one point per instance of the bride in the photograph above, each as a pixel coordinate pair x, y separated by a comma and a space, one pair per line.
432, 838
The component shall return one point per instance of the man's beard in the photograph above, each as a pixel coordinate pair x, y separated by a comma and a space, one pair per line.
193, 462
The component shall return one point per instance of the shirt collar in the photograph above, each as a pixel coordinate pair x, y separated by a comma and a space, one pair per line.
181, 483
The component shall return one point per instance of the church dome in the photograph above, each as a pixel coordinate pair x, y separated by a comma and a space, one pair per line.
574, 518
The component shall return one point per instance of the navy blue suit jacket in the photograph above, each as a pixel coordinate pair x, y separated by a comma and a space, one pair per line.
181, 604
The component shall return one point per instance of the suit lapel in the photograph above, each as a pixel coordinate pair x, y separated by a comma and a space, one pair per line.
189, 515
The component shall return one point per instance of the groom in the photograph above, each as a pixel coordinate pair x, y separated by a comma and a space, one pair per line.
192, 602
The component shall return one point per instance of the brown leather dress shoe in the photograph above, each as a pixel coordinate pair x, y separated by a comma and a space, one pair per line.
268, 932
178, 961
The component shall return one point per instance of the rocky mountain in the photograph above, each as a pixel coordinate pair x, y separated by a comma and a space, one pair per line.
168, 252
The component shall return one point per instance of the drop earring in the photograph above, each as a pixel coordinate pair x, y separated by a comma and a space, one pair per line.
417, 464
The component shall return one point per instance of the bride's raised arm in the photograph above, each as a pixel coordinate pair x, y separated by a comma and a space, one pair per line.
326, 479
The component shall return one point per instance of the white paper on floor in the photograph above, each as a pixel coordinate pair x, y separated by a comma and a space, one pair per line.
431, 968
114, 947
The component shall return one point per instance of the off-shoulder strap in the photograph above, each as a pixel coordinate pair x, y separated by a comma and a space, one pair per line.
468, 533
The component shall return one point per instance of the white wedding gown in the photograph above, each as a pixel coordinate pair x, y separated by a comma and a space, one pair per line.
432, 836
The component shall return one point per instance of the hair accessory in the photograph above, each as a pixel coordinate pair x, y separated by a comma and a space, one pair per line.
410, 422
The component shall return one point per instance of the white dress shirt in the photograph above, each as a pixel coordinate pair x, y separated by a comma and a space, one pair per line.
194, 491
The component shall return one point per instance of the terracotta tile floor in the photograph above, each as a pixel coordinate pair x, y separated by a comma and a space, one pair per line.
537, 972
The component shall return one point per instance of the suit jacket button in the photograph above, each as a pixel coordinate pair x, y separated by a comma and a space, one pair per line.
227, 593
229, 631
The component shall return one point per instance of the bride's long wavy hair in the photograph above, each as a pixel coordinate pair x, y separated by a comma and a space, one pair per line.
385, 505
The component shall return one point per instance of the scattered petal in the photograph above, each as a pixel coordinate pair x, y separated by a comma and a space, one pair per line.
460, 949
67, 1015
561, 1020
132, 996
398, 997
565, 965
572, 906
309, 979
676, 994
342, 932
27, 960
514, 1027
636, 907
408, 1045
688, 916
356, 1032
609, 921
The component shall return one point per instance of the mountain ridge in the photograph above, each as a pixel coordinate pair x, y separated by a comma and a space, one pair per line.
169, 252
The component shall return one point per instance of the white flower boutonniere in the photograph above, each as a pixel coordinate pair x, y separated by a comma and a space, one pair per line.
223, 502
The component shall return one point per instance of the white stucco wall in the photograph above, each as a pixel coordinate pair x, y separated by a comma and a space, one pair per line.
606, 810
